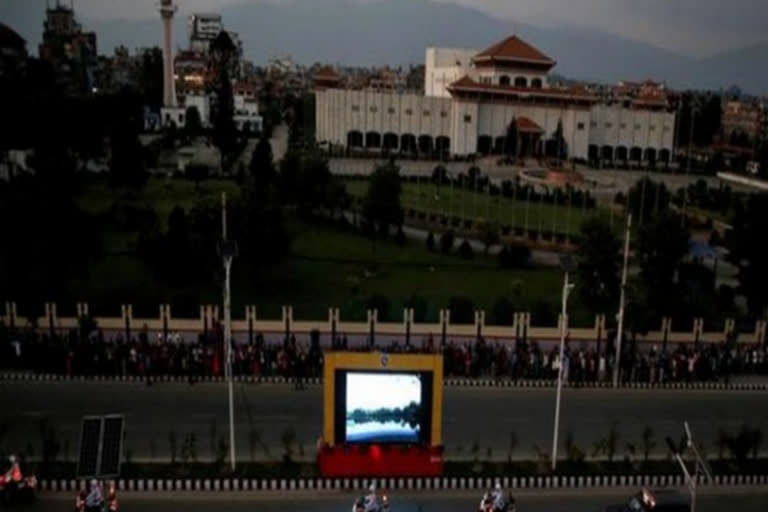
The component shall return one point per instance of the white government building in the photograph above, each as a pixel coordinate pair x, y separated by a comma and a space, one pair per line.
472, 97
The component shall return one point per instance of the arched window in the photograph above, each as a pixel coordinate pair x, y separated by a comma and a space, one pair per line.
536, 83
521, 81
504, 80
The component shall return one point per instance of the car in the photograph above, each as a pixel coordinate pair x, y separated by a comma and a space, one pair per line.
654, 501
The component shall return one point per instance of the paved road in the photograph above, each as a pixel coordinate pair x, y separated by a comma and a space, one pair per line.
743, 500
483, 415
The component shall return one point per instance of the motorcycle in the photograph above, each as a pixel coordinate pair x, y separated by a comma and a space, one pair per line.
18, 492
487, 504
382, 504
110, 504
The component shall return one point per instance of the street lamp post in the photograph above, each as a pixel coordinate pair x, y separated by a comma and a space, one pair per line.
702, 470
567, 264
228, 251
622, 298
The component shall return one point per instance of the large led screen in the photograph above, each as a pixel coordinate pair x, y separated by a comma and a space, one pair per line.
383, 408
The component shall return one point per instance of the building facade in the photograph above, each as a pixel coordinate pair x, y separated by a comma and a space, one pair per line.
740, 117
71, 52
471, 99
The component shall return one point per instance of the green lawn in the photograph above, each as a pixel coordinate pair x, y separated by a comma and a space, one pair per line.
160, 193
467, 204
325, 268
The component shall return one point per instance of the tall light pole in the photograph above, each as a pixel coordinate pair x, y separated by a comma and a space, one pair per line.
228, 251
620, 316
167, 11
567, 264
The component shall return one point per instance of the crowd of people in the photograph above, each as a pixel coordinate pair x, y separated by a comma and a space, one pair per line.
156, 356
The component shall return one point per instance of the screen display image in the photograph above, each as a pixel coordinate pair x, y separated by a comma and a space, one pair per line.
383, 408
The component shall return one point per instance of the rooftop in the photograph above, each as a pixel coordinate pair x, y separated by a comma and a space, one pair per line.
514, 49
466, 83
9, 38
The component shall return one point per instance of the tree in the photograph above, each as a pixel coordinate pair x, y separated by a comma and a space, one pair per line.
661, 246
419, 306
599, 264
150, 77
557, 147
197, 173
647, 198
439, 177
489, 234
193, 126
514, 256
749, 250
382, 305
381, 207
462, 310
446, 241
502, 311
127, 162
49, 243
431, 241
465, 250
511, 139
707, 118
222, 60
261, 166
473, 174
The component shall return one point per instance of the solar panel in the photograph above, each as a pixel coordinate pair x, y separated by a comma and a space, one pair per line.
90, 439
101, 446
111, 446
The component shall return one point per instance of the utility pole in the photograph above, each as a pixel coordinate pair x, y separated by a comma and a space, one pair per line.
620, 316
567, 264
228, 250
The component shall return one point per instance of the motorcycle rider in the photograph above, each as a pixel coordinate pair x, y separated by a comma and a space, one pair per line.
112, 498
14, 472
497, 495
80, 500
95, 498
12, 477
371, 502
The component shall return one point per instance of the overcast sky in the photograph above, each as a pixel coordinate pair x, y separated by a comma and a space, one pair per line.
689, 27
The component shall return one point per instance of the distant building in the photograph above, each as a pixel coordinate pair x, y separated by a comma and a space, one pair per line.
71, 52
282, 65
445, 66
13, 51
741, 117
202, 29
471, 98
387, 80
191, 79
190, 70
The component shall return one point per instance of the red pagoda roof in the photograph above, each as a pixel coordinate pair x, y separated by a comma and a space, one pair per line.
514, 49
525, 125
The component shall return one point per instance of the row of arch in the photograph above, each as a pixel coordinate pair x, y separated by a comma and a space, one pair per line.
623, 153
407, 142
521, 81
